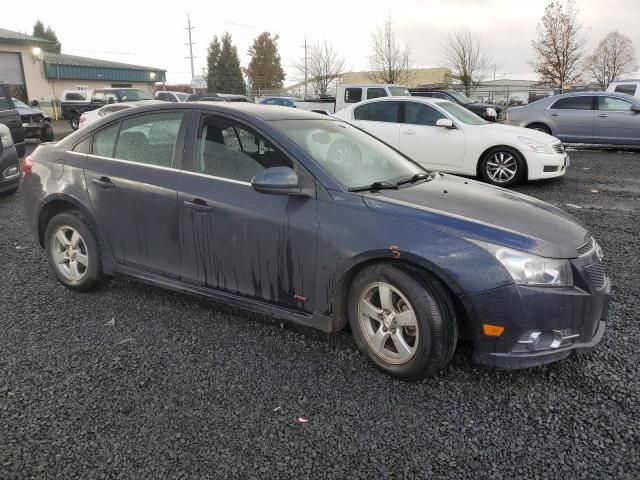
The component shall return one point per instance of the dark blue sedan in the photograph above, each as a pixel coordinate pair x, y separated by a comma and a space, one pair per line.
309, 219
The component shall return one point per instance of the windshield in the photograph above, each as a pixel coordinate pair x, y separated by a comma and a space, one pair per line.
182, 96
350, 156
461, 113
131, 94
399, 91
19, 103
461, 97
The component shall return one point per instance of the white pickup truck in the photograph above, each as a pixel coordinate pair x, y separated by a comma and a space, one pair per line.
347, 94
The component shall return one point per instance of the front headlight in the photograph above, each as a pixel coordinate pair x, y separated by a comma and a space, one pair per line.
528, 269
6, 140
491, 112
535, 145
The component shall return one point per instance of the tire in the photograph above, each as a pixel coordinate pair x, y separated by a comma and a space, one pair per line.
74, 121
502, 167
47, 133
87, 273
540, 127
426, 341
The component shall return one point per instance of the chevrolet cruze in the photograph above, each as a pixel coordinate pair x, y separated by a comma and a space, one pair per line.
307, 218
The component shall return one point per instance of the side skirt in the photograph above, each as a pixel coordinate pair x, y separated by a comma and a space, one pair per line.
318, 321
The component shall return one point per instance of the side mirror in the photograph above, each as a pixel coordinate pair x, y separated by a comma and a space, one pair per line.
635, 108
277, 181
445, 123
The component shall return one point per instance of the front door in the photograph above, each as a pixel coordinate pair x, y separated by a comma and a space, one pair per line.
616, 122
235, 239
572, 118
429, 145
132, 178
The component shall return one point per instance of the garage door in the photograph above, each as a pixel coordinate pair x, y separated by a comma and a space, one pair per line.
11, 68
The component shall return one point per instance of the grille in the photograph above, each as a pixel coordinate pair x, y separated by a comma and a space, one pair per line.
596, 274
587, 247
558, 148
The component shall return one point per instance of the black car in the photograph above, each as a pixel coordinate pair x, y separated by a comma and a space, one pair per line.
36, 123
491, 113
311, 219
10, 117
9, 163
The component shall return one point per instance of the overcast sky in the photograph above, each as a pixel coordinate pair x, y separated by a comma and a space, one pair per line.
148, 33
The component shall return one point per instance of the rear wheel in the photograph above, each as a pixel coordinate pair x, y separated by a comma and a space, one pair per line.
75, 121
402, 321
540, 127
47, 133
72, 251
502, 167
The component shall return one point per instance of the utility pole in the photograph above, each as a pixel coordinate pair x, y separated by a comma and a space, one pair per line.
190, 57
305, 67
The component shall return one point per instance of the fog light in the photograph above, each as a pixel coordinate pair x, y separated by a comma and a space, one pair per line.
537, 340
550, 168
12, 171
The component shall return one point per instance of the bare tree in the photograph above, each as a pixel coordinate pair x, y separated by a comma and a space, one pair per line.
467, 59
388, 61
560, 46
324, 66
613, 58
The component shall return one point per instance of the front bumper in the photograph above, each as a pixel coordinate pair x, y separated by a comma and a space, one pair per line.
546, 165
579, 311
9, 169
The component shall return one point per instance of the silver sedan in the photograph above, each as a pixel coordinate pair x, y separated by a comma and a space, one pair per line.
583, 117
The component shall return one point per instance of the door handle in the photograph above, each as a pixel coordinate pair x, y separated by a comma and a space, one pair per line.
104, 183
198, 205
603, 115
409, 132
554, 114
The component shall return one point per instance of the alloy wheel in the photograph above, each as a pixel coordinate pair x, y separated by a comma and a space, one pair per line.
69, 253
501, 167
388, 323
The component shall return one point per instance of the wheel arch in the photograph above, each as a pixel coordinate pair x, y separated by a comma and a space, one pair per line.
407, 261
59, 203
542, 124
493, 148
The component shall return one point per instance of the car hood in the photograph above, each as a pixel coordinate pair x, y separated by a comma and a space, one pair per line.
478, 211
479, 105
522, 132
30, 112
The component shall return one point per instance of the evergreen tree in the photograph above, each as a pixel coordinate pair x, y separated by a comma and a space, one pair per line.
213, 54
265, 70
47, 34
229, 70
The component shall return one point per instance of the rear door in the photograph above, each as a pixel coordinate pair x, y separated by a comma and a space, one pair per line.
573, 118
427, 144
10, 117
616, 122
132, 178
380, 119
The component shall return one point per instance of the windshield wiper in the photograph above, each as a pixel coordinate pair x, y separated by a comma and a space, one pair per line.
375, 186
415, 178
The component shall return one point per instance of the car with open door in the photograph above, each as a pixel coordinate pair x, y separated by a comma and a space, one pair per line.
307, 218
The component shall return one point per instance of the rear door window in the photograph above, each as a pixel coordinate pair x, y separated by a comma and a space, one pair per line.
376, 93
582, 102
629, 89
613, 104
352, 95
104, 141
378, 112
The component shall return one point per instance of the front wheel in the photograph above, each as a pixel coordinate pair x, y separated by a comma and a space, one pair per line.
47, 133
72, 251
402, 320
75, 122
502, 167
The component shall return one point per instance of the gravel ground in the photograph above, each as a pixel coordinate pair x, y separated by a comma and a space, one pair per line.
136, 382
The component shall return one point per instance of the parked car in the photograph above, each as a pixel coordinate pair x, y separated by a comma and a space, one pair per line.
281, 101
75, 102
585, 117
309, 219
10, 117
348, 94
217, 97
491, 113
36, 123
628, 87
89, 117
168, 96
9, 163
442, 135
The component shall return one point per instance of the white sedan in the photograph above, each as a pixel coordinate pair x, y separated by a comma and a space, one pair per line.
93, 115
441, 135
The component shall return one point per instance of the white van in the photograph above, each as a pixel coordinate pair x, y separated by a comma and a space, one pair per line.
630, 87
348, 94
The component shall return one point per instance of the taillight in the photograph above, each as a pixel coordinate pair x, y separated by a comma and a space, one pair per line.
83, 119
27, 165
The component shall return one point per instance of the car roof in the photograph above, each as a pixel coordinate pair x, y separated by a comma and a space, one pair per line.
406, 98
